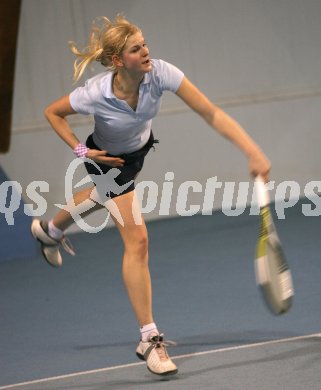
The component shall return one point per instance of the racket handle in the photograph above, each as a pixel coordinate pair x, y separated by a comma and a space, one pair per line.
262, 192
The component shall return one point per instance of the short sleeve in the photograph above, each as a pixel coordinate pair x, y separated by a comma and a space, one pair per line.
170, 76
81, 101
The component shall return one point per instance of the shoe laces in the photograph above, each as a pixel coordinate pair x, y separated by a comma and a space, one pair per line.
66, 244
159, 345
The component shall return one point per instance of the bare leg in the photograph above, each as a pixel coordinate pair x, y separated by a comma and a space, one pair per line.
135, 261
135, 238
63, 219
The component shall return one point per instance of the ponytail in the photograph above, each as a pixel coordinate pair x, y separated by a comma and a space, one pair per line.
105, 41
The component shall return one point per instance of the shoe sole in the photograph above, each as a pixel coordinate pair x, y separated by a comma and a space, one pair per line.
42, 251
167, 373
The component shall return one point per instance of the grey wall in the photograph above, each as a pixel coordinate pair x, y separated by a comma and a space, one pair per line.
258, 59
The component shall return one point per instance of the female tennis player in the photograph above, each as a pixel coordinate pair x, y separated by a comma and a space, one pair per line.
123, 100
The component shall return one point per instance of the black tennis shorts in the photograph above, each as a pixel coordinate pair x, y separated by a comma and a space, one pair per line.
133, 165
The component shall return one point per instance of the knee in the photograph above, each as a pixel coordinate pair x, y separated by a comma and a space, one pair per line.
141, 244
138, 246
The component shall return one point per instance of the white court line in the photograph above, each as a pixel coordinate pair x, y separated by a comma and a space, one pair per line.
235, 348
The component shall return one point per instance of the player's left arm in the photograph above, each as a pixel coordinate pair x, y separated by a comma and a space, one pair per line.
226, 126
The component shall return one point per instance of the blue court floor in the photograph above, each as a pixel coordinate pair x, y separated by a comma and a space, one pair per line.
73, 328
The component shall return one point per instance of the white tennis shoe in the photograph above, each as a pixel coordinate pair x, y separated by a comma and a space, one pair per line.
155, 354
50, 246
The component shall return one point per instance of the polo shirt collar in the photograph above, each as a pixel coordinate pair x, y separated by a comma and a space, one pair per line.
108, 91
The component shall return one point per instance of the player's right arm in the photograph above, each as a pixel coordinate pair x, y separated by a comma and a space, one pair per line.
56, 114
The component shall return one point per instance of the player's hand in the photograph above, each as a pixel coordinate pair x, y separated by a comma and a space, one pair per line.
99, 156
259, 165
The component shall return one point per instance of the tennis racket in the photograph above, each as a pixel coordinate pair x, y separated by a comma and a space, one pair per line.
272, 272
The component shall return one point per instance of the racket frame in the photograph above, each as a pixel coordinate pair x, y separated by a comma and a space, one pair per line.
273, 275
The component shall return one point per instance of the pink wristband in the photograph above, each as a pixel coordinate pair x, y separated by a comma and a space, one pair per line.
81, 150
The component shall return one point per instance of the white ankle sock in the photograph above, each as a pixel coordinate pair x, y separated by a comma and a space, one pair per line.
146, 330
54, 232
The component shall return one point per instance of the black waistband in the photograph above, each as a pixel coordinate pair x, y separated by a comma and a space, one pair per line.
127, 156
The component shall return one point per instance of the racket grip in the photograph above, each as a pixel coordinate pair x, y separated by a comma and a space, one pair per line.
262, 192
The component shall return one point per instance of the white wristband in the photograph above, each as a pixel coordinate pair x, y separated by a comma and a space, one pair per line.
81, 150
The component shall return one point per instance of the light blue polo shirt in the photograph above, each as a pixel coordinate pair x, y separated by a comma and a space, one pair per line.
118, 128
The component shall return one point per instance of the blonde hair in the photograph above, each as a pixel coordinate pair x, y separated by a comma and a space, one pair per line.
105, 41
